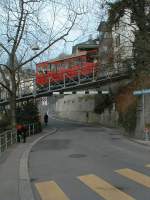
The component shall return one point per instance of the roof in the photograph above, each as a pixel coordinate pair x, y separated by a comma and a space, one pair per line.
103, 27
82, 53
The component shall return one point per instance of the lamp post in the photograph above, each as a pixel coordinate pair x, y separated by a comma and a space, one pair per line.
35, 48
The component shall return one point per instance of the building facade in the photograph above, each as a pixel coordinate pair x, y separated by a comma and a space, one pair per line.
123, 39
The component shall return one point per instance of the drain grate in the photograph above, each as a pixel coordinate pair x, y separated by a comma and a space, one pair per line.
77, 155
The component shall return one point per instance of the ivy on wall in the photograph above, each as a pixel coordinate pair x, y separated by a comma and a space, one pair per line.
102, 103
128, 119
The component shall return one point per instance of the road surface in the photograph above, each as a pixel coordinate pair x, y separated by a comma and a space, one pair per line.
82, 162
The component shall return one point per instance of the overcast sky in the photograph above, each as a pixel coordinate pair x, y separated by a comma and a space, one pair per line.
80, 33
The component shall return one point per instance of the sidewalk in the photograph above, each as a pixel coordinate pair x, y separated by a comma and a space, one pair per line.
14, 168
142, 142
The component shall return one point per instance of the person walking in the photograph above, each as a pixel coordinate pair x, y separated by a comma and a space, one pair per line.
24, 130
46, 119
19, 132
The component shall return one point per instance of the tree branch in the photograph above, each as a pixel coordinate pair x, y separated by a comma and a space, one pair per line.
48, 46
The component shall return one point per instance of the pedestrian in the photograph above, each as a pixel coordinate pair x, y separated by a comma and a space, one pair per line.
19, 132
23, 132
46, 119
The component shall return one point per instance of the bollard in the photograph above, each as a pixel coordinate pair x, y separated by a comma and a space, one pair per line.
6, 140
29, 130
11, 137
33, 128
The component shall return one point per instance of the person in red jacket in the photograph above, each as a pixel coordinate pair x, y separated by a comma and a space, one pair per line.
19, 132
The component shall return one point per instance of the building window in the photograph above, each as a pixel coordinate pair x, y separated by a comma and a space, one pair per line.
118, 41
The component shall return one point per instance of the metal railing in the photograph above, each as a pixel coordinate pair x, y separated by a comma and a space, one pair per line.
32, 129
9, 137
68, 83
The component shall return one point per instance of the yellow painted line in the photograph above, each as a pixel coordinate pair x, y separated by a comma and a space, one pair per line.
103, 188
147, 165
50, 191
135, 176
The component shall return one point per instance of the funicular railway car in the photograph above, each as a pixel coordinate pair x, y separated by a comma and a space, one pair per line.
70, 67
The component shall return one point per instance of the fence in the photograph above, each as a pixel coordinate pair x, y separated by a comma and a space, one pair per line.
9, 137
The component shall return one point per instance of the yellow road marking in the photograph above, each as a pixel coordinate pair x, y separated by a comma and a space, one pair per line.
135, 176
50, 191
147, 165
103, 188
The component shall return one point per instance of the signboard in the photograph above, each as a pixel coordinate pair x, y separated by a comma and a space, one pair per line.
44, 101
105, 92
140, 92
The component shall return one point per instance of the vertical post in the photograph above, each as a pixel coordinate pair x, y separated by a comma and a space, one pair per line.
20, 91
29, 130
34, 87
33, 128
6, 140
93, 74
143, 108
79, 76
64, 80
49, 83
15, 136
11, 136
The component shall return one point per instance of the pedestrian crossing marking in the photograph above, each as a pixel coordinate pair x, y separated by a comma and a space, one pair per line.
135, 176
49, 190
103, 188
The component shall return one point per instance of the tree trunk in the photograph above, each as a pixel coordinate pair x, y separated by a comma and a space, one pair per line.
13, 102
13, 111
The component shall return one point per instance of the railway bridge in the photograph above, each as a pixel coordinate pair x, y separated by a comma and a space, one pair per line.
94, 83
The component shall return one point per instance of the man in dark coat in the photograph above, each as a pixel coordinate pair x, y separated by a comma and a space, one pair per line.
46, 119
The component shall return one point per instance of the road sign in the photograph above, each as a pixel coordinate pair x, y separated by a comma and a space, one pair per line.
140, 92
105, 92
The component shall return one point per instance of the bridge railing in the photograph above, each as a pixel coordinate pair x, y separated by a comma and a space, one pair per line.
9, 137
97, 74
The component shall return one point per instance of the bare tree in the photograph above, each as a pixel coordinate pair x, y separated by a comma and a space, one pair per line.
24, 22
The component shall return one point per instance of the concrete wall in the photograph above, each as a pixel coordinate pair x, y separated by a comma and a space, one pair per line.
82, 108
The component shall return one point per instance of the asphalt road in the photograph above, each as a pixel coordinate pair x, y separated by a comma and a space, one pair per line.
82, 162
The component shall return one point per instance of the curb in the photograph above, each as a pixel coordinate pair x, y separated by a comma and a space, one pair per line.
143, 143
25, 190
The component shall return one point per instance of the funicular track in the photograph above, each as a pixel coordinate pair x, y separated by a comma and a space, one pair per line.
68, 84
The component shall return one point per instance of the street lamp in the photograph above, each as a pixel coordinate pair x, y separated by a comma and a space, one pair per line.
35, 48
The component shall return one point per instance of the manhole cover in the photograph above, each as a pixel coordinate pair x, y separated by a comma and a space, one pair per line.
89, 130
104, 156
77, 155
